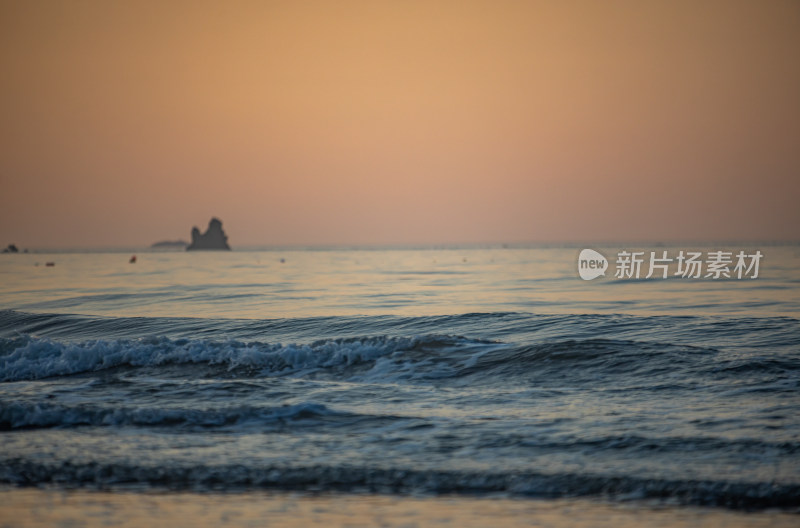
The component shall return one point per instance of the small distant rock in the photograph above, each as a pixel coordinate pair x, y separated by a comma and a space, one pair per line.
11, 249
213, 238
168, 244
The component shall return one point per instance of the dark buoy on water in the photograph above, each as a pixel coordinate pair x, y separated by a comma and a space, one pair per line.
133, 259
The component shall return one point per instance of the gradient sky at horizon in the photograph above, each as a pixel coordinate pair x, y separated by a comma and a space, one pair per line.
405, 122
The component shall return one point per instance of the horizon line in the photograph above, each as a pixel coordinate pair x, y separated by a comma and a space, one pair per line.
423, 246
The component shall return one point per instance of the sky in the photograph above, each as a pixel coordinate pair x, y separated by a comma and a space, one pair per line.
399, 122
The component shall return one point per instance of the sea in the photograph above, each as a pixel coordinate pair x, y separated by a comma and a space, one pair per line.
476, 374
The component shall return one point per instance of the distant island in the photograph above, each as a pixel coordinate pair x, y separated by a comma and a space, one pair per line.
213, 238
170, 244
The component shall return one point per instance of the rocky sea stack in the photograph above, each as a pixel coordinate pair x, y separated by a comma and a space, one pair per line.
213, 238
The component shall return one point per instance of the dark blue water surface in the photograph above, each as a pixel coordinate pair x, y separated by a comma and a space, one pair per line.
686, 406
698, 409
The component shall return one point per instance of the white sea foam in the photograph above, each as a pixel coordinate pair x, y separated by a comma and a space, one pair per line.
36, 358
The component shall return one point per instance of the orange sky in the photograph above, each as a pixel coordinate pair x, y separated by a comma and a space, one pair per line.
391, 122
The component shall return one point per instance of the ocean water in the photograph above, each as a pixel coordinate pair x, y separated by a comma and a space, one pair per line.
467, 372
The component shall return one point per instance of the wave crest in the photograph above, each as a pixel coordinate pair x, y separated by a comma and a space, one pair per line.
30, 358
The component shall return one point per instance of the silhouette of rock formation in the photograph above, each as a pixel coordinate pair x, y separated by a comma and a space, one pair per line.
11, 249
213, 238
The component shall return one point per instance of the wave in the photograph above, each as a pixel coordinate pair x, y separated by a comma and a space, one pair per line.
73, 326
367, 478
45, 415
27, 358
388, 359
514, 327
307, 415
